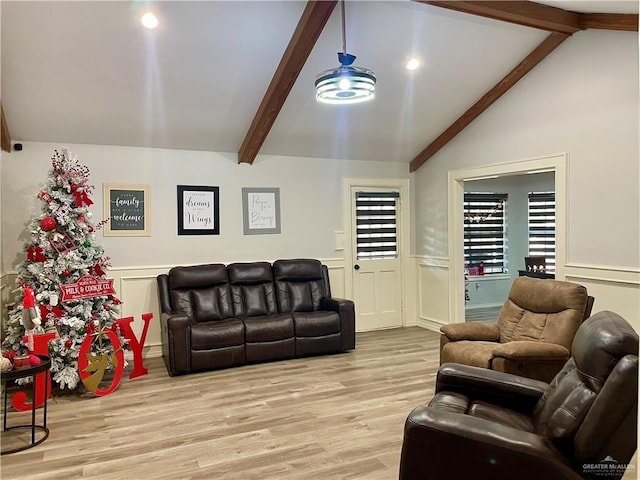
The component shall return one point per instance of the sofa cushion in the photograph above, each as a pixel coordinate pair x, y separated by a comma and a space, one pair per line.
269, 328
212, 303
218, 334
201, 292
300, 285
315, 324
197, 276
252, 288
539, 310
250, 273
497, 414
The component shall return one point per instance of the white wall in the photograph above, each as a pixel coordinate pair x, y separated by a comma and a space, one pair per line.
310, 200
583, 100
310, 191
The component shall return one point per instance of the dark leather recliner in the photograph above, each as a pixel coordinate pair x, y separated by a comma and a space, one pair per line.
494, 425
216, 316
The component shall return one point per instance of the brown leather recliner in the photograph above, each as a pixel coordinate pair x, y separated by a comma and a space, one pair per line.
492, 425
532, 336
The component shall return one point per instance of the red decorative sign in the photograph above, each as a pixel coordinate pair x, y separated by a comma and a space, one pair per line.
87, 287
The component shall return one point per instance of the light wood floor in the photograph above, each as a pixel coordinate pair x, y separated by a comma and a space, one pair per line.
320, 418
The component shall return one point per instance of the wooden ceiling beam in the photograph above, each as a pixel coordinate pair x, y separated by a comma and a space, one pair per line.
524, 67
312, 22
5, 142
529, 14
627, 22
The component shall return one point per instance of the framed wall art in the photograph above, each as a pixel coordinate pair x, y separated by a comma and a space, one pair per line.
128, 209
198, 210
261, 210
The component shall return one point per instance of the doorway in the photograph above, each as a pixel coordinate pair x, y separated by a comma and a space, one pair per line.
504, 223
376, 216
457, 179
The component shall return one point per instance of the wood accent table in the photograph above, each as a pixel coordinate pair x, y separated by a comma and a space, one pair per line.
25, 372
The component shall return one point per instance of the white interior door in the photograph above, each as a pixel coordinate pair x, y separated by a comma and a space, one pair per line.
377, 266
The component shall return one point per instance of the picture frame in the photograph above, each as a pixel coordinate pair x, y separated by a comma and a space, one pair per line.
128, 210
198, 210
261, 210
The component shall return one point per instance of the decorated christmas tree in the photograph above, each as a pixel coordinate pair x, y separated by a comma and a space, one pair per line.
65, 269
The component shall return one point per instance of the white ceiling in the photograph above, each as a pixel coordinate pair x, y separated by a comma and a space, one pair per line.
87, 72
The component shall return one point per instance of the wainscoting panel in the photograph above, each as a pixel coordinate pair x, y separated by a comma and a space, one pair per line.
136, 287
433, 292
614, 289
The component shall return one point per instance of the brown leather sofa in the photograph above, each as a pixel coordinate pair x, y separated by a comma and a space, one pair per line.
216, 316
486, 424
532, 336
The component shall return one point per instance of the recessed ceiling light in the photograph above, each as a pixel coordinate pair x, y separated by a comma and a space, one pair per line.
149, 20
412, 64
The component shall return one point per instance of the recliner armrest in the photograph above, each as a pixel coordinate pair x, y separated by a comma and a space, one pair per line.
532, 351
504, 389
176, 339
347, 312
469, 447
484, 331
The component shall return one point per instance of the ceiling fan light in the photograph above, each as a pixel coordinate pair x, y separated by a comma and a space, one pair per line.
345, 85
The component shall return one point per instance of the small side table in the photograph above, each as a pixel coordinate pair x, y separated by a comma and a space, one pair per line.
25, 372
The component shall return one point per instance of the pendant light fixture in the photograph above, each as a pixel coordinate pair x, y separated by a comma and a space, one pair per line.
345, 84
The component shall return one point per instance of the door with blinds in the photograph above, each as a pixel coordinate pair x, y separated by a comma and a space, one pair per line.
377, 275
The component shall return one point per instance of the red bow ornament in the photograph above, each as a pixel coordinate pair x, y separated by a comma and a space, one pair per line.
82, 198
34, 254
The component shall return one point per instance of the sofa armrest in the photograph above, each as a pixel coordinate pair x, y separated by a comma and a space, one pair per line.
176, 342
504, 389
346, 310
531, 351
471, 331
440, 444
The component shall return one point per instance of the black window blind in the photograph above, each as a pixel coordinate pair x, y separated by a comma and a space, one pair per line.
376, 220
542, 227
485, 231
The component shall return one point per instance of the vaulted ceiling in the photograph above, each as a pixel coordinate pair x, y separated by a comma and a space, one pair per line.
238, 76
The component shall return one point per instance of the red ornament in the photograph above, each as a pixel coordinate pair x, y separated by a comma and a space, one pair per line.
68, 344
66, 273
34, 254
74, 187
81, 218
48, 224
107, 308
90, 228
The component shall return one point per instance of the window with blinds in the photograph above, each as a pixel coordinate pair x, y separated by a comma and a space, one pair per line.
376, 221
542, 227
485, 238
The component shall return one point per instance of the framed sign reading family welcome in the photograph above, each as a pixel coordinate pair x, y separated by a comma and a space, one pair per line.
198, 210
127, 209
